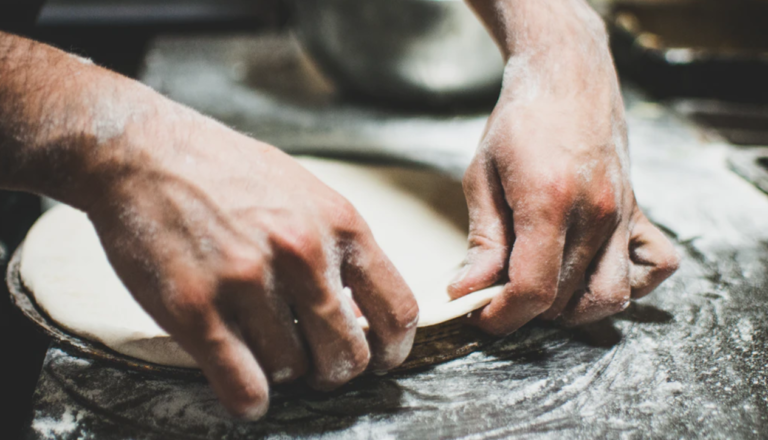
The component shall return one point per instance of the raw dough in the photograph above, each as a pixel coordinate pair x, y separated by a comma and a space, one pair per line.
417, 217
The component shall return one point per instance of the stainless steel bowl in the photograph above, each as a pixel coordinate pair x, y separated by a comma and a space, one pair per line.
429, 52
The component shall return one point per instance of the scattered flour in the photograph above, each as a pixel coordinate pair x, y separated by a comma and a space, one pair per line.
50, 428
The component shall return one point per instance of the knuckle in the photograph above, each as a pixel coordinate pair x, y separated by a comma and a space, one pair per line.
559, 185
244, 265
605, 208
347, 220
299, 243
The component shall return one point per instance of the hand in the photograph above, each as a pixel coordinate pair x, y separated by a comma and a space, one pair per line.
232, 247
241, 255
552, 210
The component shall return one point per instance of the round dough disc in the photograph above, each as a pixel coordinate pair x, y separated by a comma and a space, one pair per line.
418, 218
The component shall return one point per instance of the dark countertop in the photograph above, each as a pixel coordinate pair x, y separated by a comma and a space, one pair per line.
688, 361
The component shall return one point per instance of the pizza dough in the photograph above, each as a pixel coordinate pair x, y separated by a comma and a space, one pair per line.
418, 218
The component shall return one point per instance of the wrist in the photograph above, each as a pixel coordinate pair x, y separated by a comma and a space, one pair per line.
545, 26
132, 139
556, 52
64, 122
546, 43
97, 141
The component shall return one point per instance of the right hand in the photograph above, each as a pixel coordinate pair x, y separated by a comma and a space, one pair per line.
241, 255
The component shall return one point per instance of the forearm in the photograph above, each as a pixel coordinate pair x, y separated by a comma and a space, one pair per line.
59, 115
544, 41
524, 26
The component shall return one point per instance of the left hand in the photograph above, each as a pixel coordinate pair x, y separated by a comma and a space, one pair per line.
552, 210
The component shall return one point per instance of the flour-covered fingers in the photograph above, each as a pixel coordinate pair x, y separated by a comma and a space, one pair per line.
583, 242
336, 341
653, 257
307, 274
534, 270
490, 231
607, 291
228, 364
576, 260
184, 305
385, 300
268, 327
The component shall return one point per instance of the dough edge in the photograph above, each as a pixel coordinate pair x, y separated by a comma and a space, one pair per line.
156, 346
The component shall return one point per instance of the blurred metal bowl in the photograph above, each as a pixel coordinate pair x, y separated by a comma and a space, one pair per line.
422, 52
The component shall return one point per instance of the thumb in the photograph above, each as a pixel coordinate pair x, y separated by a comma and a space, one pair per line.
490, 231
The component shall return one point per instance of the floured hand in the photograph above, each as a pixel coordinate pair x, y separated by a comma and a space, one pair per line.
242, 255
552, 210
230, 245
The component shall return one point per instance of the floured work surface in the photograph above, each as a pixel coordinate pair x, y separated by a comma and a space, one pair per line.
689, 361
417, 216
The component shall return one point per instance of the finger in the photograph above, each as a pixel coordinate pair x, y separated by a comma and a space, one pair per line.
534, 271
385, 300
585, 238
607, 291
336, 341
490, 230
653, 258
267, 326
225, 359
196, 324
581, 248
